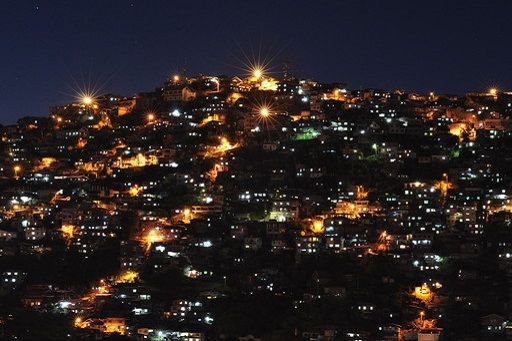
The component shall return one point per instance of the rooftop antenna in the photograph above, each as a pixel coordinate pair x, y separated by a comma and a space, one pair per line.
184, 70
286, 69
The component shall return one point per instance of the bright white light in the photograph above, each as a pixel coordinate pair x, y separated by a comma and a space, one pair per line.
64, 304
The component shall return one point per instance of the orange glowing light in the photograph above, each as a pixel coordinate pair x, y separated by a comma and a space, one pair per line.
223, 147
255, 63
362, 193
87, 100
68, 230
134, 191
154, 236
17, 170
265, 113
85, 91
128, 276
443, 186
318, 226
314, 226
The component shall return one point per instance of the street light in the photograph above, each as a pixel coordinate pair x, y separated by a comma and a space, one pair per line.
150, 118
257, 73
494, 93
16, 171
87, 100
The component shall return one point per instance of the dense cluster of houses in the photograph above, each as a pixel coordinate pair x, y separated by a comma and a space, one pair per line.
207, 174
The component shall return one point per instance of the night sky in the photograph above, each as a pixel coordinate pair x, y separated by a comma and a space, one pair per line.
53, 48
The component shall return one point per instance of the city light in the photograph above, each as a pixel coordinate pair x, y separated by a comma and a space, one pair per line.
358, 191
220, 149
216, 81
361, 192
256, 66
443, 186
154, 236
17, 170
265, 113
87, 100
257, 73
69, 230
135, 190
128, 276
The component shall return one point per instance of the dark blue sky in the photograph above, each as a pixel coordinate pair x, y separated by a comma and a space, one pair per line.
50, 48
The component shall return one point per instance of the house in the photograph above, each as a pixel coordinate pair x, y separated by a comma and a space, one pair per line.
36, 294
431, 334
252, 243
107, 325
364, 308
308, 244
179, 94
278, 244
12, 279
7, 235
492, 324
320, 333
270, 146
249, 337
114, 325
335, 291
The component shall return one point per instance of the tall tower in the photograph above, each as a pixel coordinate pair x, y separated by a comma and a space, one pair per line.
184, 69
286, 69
